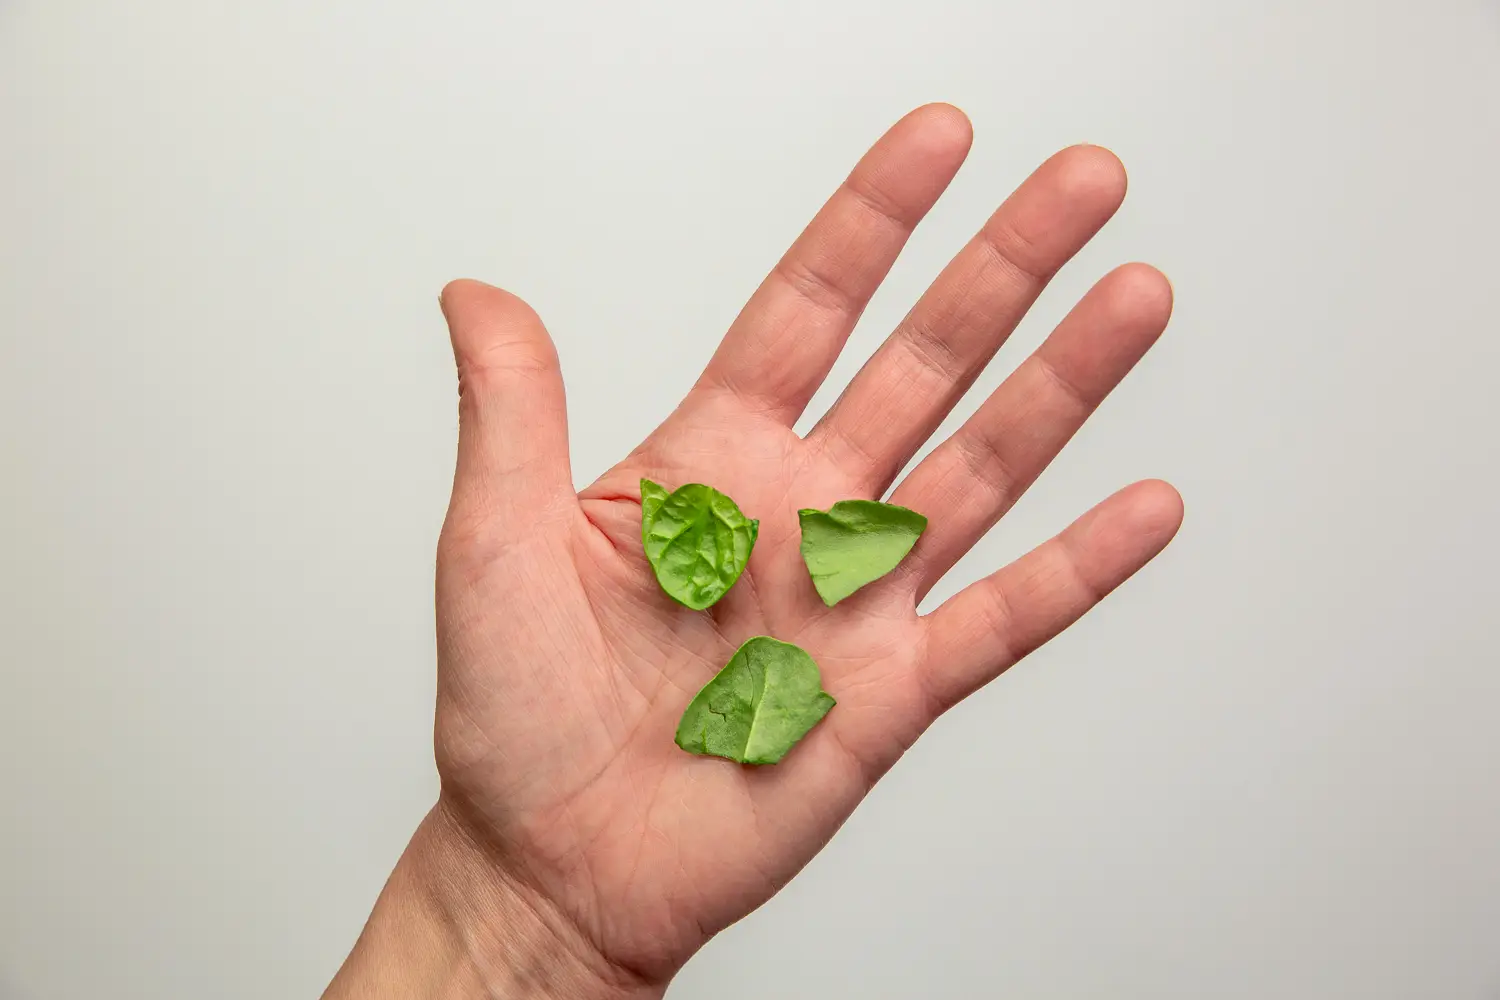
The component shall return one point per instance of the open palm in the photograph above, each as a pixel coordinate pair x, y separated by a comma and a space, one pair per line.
563, 667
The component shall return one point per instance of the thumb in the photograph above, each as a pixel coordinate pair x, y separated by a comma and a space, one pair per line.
513, 420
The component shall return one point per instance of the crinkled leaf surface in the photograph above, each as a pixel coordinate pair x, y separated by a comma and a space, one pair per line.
756, 709
854, 543
696, 540
652, 497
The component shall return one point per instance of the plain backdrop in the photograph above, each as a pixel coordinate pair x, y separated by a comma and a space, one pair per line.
1267, 767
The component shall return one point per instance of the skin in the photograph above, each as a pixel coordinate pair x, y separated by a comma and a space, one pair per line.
575, 851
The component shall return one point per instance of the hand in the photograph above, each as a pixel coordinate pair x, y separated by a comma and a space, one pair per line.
569, 823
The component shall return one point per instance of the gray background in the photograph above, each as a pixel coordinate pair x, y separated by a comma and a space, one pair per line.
1265, 768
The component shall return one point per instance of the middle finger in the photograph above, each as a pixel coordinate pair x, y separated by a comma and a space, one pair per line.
905, 390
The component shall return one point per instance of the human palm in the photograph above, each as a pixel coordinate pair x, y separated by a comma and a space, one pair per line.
564, 668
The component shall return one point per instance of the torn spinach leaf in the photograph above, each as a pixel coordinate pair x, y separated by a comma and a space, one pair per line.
856, 542
765, 699
696, 540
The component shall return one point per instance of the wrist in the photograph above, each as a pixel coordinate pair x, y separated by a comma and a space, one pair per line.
450, 925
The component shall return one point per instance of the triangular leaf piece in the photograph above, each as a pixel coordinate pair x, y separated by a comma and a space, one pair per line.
856, 542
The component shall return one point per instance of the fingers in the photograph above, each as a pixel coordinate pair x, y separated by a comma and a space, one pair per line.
780, 348
991, 624
901, 395
513, 429
975, 476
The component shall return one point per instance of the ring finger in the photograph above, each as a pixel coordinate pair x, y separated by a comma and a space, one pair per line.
903, 393
975, 476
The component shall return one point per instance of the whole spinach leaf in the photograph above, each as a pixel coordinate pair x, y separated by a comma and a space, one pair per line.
696, 540
856, 542
766, 698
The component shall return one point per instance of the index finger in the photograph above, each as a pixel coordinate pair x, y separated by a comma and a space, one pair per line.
783, 343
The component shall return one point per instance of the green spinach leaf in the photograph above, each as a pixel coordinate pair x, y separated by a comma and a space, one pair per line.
766, 698
696, 540
856, 542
